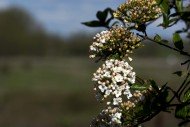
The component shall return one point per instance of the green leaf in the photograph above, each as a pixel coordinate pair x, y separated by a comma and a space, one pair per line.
182, 111
173, 21
92, 23
164, 5
110, 11
179, 5
166, 21
178, 41
102, 15
139, 87
186, 96
157, 38
179, 73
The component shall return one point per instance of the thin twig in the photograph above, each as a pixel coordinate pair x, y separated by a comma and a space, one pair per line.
175, 95
165, 45
187, 61
179, 89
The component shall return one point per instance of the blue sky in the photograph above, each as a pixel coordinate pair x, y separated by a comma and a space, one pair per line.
62, 16
65, 16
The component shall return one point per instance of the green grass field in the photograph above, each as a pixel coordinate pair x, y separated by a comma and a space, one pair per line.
57, 92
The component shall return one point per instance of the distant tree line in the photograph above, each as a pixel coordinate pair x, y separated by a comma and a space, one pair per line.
20, 34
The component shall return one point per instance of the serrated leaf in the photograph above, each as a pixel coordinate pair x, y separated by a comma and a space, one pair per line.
157, 38
182, 111
177, 41
178, 73
92, 23
179, 5
186, 96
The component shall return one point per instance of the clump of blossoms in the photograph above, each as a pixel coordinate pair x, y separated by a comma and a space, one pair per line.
116, 41
113, 83
138, 11
113, 79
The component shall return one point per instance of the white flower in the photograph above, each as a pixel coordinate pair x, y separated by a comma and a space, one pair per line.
92, 48
103, 40
116, 101
117, 69
118, 78
132, 80
109, 64
128, 94
117, 93
107, 74
116, 118
130, 59
92, 56
102, 88
108, 103
118, 115
108, 92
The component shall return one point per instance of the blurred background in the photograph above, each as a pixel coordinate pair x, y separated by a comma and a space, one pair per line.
45, 72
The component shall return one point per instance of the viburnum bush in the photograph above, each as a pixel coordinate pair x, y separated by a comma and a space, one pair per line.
130, 100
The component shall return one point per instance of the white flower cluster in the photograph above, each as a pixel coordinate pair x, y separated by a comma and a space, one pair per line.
113, 82
138, 11
116, 41
113, 79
